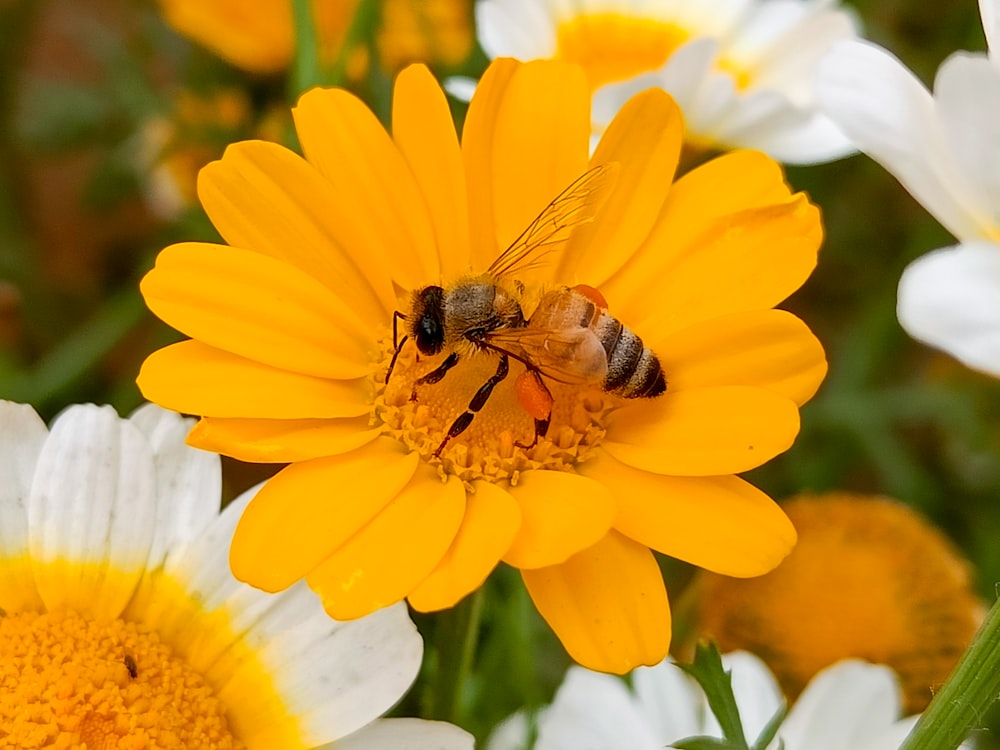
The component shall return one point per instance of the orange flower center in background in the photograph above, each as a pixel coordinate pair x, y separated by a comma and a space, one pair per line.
613, 47
488, 448
71, 682
868, 579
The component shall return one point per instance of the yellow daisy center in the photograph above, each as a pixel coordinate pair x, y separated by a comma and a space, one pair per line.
868, 579
70, 682
488, 448
612, 47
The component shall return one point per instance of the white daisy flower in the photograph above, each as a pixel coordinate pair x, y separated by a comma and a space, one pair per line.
945, 150
741, 70
851, 705
122, 626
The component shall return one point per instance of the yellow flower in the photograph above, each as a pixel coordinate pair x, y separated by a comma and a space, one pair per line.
438, 31
123, 628
291, 328
869, 579
257, 36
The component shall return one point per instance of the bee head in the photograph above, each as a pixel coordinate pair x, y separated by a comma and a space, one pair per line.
428, 319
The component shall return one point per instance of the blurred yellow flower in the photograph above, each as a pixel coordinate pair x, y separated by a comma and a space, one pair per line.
433, 31
292, 337
258, 36
868, 579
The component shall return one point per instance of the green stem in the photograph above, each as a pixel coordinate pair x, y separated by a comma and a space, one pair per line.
456, 637
961, 703
362, 26
306, 72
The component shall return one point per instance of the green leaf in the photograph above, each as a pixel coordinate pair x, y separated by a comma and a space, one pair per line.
717, 683
771, 729
703, 743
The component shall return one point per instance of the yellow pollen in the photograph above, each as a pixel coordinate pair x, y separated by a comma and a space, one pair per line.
489, 448
75, 684
868, 579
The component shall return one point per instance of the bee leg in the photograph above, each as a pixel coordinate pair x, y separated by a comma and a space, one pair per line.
541, 427
436, 375
478, 401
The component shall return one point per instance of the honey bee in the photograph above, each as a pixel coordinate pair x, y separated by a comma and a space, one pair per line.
569, 338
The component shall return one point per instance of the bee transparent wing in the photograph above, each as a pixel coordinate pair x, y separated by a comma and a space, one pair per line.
567, 355
575, 205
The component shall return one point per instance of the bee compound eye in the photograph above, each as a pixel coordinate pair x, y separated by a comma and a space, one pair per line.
429, 328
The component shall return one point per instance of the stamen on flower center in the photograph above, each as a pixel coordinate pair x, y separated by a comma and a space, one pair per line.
488, 448
72, 682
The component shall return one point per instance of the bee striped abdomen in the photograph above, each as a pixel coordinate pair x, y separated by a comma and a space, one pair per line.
633, 370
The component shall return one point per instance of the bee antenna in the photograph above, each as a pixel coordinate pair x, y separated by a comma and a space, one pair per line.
395, 355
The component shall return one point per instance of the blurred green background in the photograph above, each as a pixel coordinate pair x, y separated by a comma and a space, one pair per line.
85, 89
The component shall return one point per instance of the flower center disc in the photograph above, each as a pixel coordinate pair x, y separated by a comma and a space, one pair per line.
488, 449
613, 48
71, 682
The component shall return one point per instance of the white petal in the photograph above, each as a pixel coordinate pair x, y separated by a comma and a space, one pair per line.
670, 701
790, 135
842, 706
515, 732
93, 505
461, 87
594, 711
967, 91
950, 299
334, 677
990, 12
412, 734
890, 116
22, 435
893, 737
756, 691
515, 28
189, 481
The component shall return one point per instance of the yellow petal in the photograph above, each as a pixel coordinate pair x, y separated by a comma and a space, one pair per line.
378, 208
309, 509
769, 349
257, 307
491, 520
561, 514
746, 261
478, 135
540, 145
703, 432
385, 560
262, 197
424, 132
607, 604
193, 378
723, 524
645, 139
282, 440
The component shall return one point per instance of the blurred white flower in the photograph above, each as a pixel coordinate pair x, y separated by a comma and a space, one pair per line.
741, 70
945, 150
851, 705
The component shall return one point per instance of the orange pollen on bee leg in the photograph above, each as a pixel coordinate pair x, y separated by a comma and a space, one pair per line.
533, 396
592, 294
491, 447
